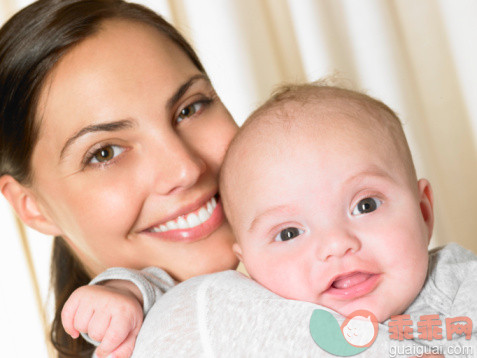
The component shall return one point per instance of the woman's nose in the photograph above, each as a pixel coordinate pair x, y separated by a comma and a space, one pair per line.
336, 244
180, 168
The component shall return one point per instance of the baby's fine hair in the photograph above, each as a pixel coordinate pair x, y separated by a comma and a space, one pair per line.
277, 110
326, 89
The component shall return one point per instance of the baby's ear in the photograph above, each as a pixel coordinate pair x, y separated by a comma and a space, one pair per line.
426, 203
237, 251
26, 206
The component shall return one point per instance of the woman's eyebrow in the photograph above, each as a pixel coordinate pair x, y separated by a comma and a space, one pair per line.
183, 89
101, 127
118, 125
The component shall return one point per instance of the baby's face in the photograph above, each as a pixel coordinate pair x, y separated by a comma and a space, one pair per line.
326, 213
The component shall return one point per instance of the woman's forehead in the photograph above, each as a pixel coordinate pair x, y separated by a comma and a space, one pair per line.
126, 71
119, 48
103, 75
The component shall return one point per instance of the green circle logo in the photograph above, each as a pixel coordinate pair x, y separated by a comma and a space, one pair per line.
356, 334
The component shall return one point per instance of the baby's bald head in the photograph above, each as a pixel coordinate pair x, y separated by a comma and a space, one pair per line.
310, 113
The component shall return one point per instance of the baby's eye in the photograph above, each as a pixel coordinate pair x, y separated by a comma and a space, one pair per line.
189, 111
366, 205
288, 234
105, 154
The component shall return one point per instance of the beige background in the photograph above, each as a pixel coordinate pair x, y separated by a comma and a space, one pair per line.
418, 56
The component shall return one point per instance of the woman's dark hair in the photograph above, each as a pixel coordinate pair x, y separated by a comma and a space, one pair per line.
31, 43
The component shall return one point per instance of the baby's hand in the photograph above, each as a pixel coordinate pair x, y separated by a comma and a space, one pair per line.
110, 314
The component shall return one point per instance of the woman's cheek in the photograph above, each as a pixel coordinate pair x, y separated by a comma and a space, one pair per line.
109, 209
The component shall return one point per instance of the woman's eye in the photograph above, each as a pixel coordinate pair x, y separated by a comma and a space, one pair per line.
366, 205
189, 111
105, 154
288, 234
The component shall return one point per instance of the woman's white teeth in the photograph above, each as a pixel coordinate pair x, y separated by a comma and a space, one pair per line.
171, 225
213, 204
182, 223
193, 220
204, 214
188, 221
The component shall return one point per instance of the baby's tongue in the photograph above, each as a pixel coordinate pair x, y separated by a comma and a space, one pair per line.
350, 280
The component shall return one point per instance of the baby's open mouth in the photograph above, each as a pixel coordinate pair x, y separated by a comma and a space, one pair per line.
349, 280
353, 284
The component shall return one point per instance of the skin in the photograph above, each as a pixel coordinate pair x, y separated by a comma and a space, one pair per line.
311, 175
160, 164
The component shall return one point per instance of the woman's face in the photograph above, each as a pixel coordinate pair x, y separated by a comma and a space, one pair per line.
132, 136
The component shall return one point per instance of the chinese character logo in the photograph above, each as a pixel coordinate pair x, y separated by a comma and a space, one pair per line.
356, 334
429, 327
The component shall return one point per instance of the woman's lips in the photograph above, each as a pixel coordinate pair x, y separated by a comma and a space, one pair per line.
190, 220
193, 226
353, 285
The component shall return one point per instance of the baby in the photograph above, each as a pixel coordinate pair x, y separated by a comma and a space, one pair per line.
321, 192
320, 189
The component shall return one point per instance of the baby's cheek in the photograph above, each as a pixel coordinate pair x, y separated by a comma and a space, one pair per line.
260, 268
286, 279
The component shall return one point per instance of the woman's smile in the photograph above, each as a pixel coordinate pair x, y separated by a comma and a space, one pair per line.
193, 225
147, 185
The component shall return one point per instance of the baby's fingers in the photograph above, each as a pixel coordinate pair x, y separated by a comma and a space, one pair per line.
68, 314
98, 325
126, 349
119, 338
82, 318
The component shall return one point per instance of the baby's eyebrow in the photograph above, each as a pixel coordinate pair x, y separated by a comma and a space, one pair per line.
268, 212
371, 172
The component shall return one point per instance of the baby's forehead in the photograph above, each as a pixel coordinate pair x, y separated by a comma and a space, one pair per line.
317, 118
295, 128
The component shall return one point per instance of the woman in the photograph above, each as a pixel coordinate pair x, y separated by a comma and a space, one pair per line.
111, 139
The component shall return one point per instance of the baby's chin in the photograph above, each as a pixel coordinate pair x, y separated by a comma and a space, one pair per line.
382, 308
382, 314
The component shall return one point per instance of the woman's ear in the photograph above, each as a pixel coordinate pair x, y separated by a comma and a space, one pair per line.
26, 206
426, 203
